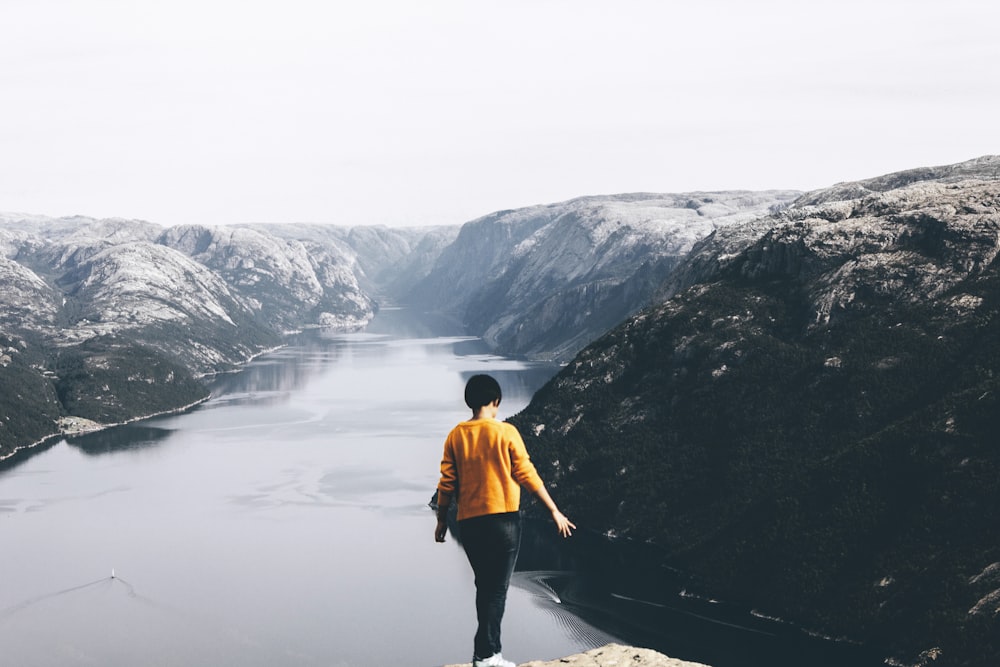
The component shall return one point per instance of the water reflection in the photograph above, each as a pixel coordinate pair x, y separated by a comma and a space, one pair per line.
275, 377
405, 323
120, 438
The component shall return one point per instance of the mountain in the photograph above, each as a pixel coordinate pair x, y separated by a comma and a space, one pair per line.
105, 321
287, 283
386, 261
790, 397
92, 298
806, 420
544, 281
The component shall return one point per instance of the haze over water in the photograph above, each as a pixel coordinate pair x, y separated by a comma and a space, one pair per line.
283, 522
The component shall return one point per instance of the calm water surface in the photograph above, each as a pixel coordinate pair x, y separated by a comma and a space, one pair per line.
283, 522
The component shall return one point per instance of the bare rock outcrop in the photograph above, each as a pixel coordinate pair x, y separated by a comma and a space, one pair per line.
807, 422
611, 655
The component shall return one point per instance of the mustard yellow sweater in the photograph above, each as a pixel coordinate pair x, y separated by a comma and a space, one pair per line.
484, 465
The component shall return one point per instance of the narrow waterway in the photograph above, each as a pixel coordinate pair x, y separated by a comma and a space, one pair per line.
285, 522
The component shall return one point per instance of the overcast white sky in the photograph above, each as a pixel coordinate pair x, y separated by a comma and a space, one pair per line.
405, 112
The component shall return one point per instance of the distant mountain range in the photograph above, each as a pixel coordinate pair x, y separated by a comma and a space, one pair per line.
544, 281
792, 396
83, 299
106, 321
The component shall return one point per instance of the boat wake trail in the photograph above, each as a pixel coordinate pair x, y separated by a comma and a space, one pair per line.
104, 584
540, 584
109, 622
21, 606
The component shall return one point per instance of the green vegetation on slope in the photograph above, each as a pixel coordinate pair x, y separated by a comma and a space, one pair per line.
29, 406
111, 382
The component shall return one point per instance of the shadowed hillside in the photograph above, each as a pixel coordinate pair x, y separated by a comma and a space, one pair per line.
809, 425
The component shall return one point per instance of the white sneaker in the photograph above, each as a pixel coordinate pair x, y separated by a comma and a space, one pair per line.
495, 660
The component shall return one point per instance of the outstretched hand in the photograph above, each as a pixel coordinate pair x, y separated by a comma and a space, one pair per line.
563, 525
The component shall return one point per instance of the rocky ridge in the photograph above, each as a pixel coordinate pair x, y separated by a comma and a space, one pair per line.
805, 423
545, 280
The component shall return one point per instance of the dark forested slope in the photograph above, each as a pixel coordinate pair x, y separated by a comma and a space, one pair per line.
810, 425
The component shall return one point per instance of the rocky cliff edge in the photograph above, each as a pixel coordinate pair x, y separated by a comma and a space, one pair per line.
611, 655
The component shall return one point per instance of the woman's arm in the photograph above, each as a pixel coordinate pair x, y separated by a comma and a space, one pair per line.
563, 524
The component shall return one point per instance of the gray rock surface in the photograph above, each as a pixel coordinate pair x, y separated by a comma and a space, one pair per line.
807, 419
543, 281
611, 655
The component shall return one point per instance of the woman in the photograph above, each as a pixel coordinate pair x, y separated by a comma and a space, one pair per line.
483, 468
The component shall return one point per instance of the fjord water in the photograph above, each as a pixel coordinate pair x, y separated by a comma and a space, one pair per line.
285, 522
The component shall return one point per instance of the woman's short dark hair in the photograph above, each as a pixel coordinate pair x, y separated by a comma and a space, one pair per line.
481, 390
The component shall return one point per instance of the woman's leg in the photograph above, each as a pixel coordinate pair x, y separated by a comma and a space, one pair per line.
491, 543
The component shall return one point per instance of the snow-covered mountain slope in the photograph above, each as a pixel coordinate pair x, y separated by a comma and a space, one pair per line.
288, 283
386, 261
127, 301
543, 281
26, 300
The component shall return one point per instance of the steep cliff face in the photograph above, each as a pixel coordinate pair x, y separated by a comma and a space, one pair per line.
809, 423
545, 280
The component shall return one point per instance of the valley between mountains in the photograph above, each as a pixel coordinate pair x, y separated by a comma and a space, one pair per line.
790, 396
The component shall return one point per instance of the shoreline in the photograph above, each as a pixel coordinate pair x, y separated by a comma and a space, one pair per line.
25, 450
65, 433
239, 366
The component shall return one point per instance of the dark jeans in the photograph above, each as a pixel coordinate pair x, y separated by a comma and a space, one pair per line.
491, 542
